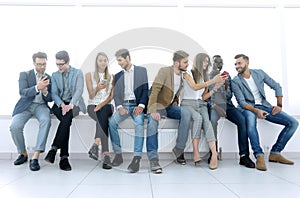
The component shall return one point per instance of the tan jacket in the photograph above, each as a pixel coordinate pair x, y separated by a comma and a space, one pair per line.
162, 90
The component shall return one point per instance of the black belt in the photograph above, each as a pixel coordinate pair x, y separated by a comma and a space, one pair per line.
129, 101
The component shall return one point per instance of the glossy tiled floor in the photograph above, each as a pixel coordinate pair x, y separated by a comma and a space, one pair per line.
88, 179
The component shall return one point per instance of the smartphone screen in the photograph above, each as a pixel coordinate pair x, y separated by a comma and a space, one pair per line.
45, 77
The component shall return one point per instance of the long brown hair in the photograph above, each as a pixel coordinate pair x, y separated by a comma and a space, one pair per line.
197, 71
106, 72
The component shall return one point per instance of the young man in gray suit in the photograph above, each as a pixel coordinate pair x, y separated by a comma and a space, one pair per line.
35, 91
248, 88
67, 89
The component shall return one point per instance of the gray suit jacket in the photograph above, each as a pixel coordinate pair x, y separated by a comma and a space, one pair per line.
243, 93
27, 83
76, 84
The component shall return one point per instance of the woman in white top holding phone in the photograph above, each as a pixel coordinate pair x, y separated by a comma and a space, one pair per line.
195, 92
100, 88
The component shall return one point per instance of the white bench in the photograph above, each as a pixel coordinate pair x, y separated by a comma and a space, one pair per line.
83, 131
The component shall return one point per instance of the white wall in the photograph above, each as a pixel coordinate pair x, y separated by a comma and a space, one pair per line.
265, 30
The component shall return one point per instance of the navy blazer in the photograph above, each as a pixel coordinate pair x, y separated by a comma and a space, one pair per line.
243, 92
27, 83
76, 84
140, 87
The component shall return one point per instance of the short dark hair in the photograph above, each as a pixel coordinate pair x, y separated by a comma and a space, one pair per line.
216, 56
39, 55
179, 55
62, 55
123, 53
243, 56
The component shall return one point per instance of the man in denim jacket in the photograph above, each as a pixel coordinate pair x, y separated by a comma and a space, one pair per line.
248, 87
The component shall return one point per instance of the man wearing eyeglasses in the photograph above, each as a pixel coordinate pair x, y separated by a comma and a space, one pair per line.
248, 88
35, 91
67, 89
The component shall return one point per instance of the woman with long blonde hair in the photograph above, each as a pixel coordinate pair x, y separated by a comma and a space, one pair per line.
100, 88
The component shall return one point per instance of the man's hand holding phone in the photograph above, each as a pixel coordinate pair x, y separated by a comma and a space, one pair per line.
43, 82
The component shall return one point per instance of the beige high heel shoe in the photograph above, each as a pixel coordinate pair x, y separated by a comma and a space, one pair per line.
197, 161
213, 163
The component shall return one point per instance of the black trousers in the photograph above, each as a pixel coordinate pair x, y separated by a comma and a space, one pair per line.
62, 136
101, 118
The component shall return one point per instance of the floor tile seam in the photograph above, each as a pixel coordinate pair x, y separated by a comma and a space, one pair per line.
26, 174
286, 180
80, 182
150, 183
220, 182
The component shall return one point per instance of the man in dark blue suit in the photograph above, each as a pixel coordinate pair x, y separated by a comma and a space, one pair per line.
35, 91
131, 99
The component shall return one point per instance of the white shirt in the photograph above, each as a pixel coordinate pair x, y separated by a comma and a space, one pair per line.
254, 90
188, 92
129, 86
129, 83
102, 94
177, 81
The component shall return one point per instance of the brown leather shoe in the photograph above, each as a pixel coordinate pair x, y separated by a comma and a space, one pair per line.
260, 163
279, 158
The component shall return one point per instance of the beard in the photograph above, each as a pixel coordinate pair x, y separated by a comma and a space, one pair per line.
180, 68
242, 70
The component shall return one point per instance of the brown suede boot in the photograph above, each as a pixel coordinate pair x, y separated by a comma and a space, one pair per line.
279, 158
260, 163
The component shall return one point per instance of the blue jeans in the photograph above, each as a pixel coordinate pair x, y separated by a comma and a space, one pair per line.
152, 138
281, 118
234, 115
116, 118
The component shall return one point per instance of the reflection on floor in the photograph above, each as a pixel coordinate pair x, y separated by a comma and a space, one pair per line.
88, 179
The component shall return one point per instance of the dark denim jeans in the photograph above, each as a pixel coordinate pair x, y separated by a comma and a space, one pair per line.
234, 115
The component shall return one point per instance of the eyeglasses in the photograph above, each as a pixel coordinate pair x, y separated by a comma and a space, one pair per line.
60, 64
40, 64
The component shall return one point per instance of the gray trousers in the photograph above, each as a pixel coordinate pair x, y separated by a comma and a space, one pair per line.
42, 114
200, 118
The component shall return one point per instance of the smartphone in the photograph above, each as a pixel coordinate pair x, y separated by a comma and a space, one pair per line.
45, 77
265, 114
225, 73
104, 81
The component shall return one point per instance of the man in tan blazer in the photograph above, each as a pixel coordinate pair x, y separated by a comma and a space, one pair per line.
163, 101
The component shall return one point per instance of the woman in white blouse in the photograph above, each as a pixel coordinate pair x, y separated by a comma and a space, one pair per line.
100, 88
195, 92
